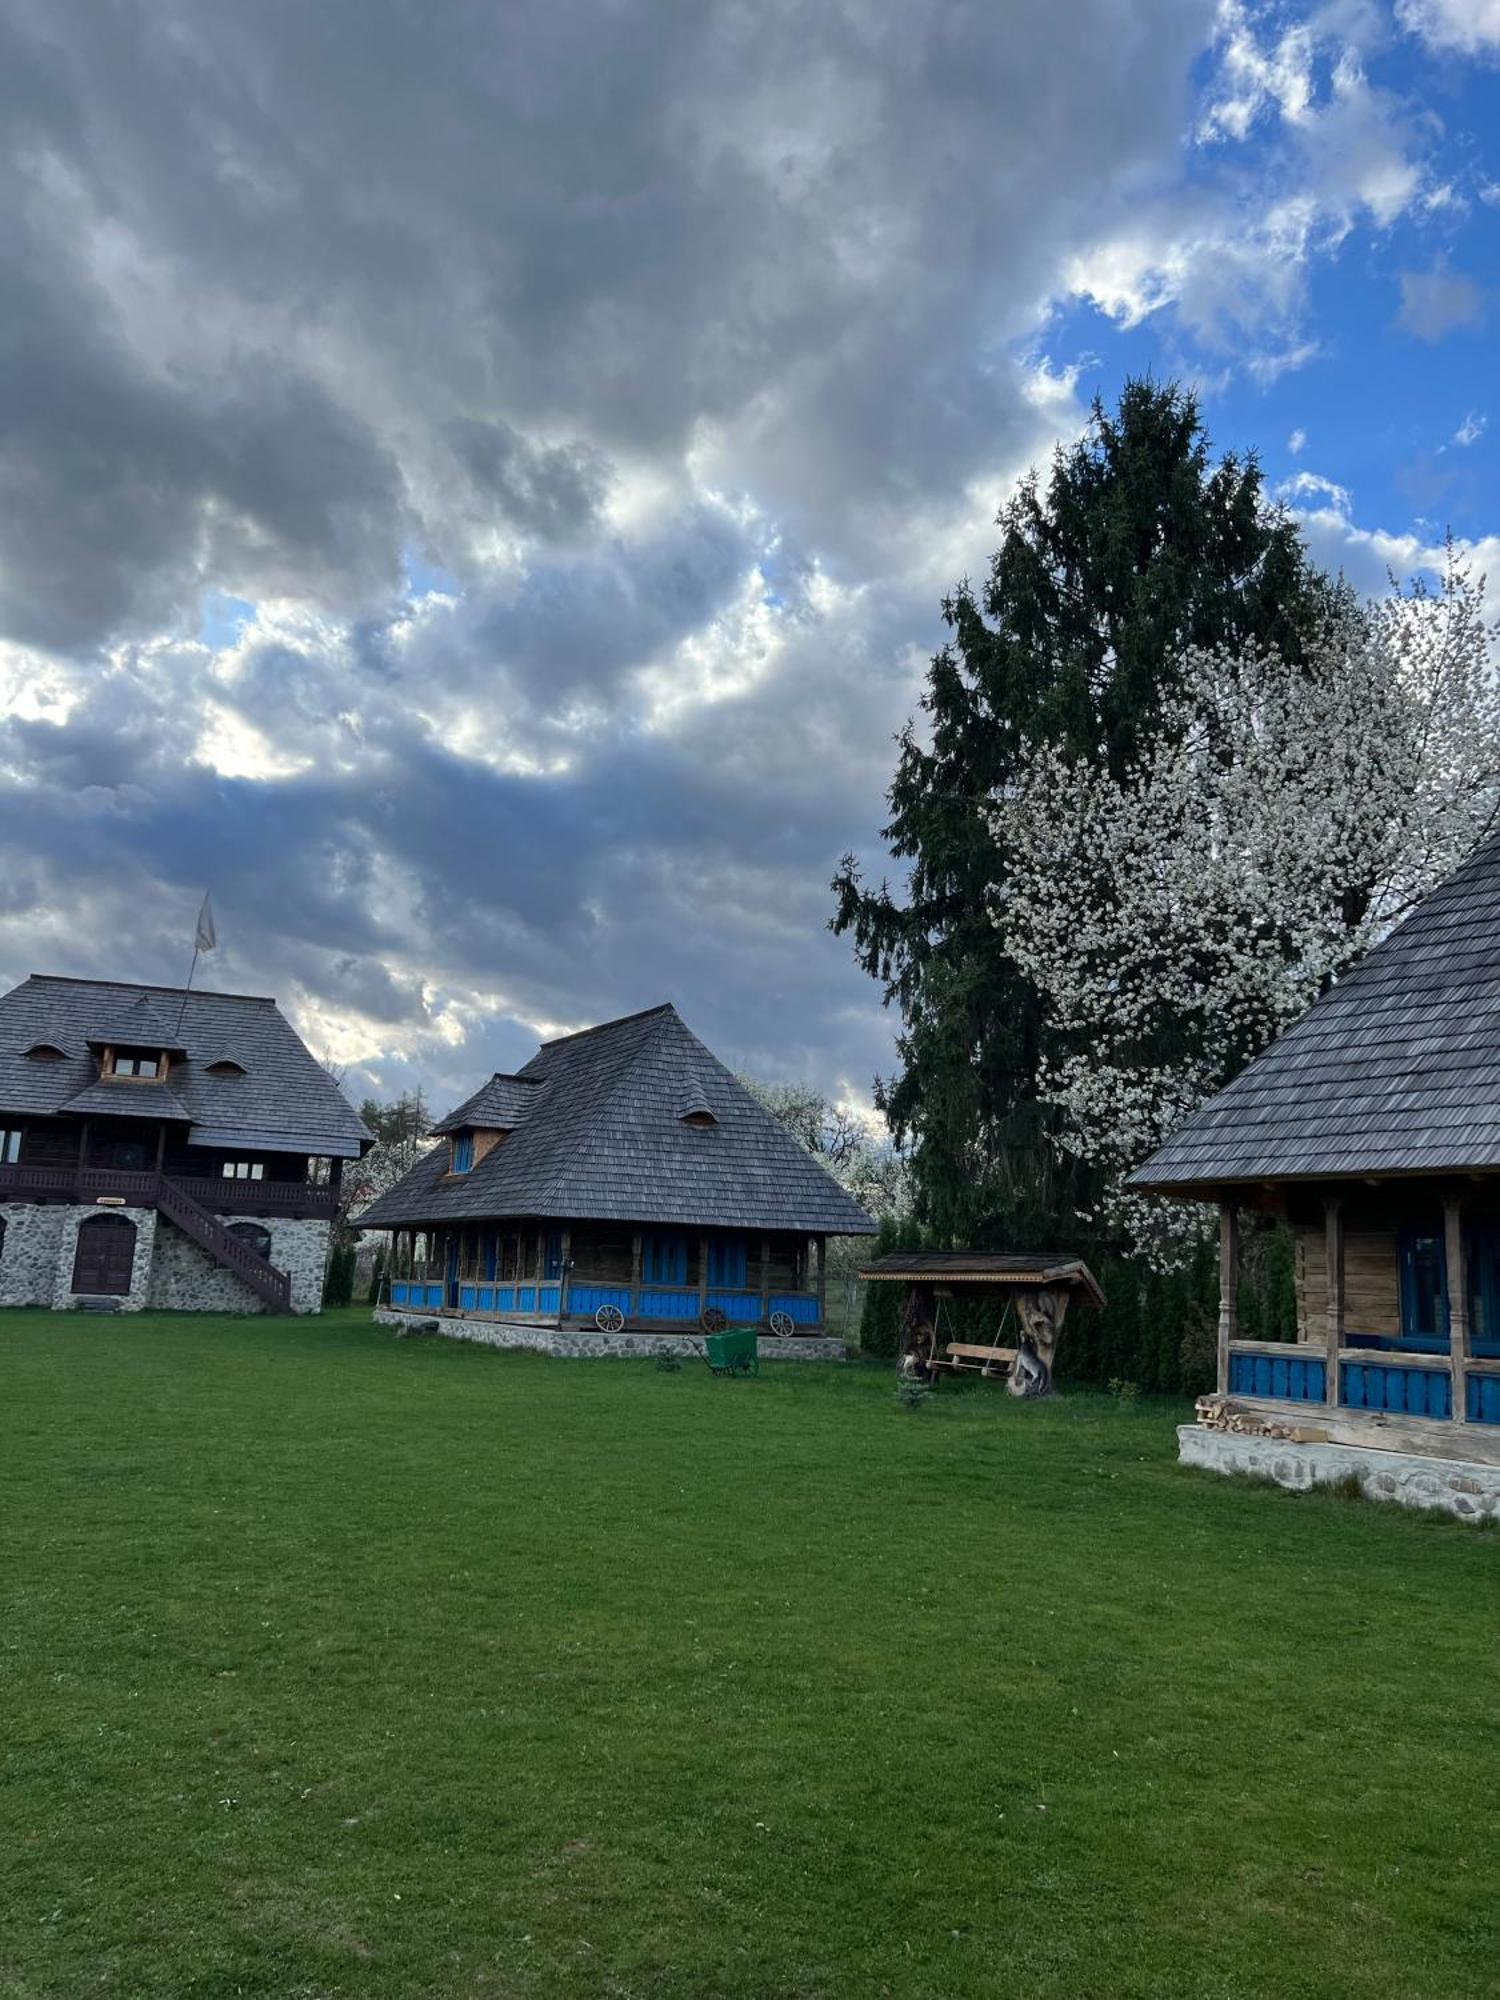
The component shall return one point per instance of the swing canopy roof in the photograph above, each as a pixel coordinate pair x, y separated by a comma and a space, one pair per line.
1034, 1271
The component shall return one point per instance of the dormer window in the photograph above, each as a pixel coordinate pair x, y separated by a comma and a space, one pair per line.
226, 1066
462, 1155
45, 1052
132, 1062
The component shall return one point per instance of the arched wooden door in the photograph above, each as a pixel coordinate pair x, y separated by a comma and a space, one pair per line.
105, 1256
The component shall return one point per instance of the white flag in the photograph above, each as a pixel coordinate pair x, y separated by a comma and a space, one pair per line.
205, 939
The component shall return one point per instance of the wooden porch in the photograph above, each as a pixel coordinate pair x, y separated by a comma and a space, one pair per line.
1406, 1369
589, 1275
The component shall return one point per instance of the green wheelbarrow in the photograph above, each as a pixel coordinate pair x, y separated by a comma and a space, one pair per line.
733, 1352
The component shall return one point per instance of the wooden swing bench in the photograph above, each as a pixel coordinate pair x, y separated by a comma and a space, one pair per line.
963, 1357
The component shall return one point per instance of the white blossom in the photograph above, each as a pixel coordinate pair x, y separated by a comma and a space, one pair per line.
1178, 918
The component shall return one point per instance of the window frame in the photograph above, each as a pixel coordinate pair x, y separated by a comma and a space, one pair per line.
664, 1258
11, 1137
253, 1170
1418, 1248
461, 1153
728, 1262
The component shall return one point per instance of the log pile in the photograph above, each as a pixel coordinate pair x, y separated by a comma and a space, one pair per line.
1218, 1413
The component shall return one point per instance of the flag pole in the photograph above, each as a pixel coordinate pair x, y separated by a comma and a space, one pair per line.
204, 939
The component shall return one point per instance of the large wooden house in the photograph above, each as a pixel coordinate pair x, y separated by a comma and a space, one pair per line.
164, 1148
1371, 1128
624, 1179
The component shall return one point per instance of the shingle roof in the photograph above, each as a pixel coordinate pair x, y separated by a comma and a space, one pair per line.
497, 1106
126, 1098
1395, 1071
985, 1267
285, 1102
605, 1141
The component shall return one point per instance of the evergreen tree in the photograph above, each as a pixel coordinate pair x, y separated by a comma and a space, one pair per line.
1135, 549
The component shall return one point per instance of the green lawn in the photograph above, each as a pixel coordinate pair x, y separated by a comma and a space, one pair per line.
341, 1666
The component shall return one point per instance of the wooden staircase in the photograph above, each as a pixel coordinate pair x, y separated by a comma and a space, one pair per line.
206, 1230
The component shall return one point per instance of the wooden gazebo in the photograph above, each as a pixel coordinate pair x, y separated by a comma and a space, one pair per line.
1036, 1288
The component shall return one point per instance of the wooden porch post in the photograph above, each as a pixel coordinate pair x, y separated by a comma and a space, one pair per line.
565, 1259
635, 1269
702, 1275
1333, 1257
821, 1252
1458, 1306
765, 1279
1229, 1281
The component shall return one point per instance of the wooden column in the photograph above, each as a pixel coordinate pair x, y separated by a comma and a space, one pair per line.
765, 1279
565, 1259
820, 1250
1229, 1280
1458, 1306
702, 1275
635, 1269
1333, 1329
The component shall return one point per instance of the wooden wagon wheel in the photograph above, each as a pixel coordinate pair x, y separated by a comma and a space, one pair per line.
609, 1319
782, 1325
712, 1320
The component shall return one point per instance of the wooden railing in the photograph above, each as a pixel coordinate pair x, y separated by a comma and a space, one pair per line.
233, 1252
295, 1198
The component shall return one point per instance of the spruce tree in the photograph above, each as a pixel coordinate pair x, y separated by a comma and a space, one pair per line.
1136, 547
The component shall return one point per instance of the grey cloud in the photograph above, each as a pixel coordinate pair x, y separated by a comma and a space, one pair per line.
1438, 302
598, 310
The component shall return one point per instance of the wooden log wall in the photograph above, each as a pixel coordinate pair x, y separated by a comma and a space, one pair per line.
1372, 1286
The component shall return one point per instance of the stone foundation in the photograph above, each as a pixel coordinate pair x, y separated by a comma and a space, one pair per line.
184, 1278
1456, 1486
170, 1272
578, 1344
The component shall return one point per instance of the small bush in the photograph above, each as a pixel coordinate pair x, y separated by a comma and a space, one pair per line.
668, 1361
1124, 1391
912, 1394
338, 1284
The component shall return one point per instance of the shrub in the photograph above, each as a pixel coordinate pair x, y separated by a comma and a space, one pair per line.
338, 1282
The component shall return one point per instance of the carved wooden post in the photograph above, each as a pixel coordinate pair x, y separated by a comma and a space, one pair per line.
565, 1261
635, 1268
1333, 1258
1458, 1306
702, 1275
1229, 1285
821, 1243
765, 1279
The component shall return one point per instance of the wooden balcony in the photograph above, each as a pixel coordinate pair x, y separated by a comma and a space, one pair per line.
91, 1184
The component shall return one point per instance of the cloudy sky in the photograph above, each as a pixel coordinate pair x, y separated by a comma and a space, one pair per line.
478, 479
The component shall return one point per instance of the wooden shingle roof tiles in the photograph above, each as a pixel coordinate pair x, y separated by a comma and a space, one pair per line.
1395, 1070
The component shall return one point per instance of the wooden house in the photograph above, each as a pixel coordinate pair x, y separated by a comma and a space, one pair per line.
1371, 1128
623, 1179
166, 1148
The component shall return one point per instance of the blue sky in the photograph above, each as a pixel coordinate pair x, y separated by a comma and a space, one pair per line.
486, 519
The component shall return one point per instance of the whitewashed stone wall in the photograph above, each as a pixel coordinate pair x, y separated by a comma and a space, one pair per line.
170, 1273
1453, 1485
572, 1344
63, 1295
28, 1261
185, 1278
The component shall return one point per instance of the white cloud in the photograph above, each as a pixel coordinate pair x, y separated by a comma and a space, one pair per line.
1467, 27
1297, 442
1471, 429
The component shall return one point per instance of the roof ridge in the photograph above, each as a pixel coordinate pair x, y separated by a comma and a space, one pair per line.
142, 986
602, 1027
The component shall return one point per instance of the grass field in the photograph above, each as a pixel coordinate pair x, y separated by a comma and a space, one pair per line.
341, 1666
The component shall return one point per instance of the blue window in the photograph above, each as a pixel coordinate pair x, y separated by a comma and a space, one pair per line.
463, 1152
552, 1255
726, 1262
664, 1260
1424, 1287
491, 1257
1484, 1293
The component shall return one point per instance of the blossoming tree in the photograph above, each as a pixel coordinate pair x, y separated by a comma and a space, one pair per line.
1177, 916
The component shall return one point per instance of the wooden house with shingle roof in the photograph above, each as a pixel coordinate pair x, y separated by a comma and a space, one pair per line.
623, 1178
1372, 1127
161, 1147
